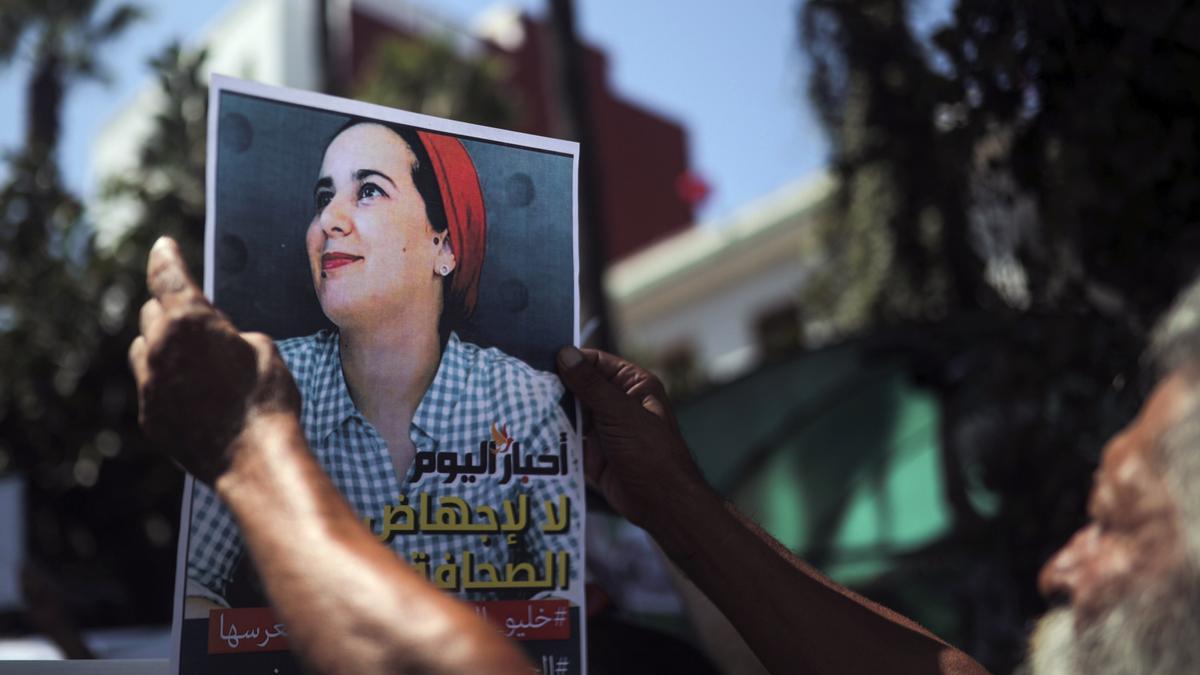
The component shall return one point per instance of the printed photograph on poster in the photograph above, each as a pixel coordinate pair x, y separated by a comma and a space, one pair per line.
418, 276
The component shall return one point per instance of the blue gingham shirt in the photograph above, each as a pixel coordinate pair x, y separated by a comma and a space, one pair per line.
473, 389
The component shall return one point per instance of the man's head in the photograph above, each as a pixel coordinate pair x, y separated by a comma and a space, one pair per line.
1131, 575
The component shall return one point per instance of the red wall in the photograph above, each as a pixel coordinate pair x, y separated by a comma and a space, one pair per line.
641, 155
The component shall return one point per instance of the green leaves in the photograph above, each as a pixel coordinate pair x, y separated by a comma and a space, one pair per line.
103, 506
432, 77
1016, 196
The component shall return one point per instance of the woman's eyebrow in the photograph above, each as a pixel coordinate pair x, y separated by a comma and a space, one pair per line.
323, 182
362, 174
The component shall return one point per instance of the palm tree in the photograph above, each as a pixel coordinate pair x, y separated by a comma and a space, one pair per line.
59, 38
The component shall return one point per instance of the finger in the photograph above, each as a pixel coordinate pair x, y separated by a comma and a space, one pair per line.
149, 315
625, 375
610, 365
262, 343
264, 348
168, 278
593, 460
137, 360
579, 372
276, 380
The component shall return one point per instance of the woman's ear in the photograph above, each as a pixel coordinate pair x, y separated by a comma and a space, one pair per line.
443, 262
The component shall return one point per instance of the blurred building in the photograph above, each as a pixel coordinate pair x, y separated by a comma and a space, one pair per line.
838, 453
710, 303
835, 449
645, 187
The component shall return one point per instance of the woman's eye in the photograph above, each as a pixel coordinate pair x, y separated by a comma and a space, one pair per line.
323, 198
369, 190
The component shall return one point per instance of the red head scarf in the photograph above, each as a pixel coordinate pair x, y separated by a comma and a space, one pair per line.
466, 218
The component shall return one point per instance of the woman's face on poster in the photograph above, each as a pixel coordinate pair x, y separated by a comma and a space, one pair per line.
370, 245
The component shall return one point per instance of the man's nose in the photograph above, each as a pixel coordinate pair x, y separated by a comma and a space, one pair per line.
1060, 575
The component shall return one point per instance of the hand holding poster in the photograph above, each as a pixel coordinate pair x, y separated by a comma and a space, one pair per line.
418, 276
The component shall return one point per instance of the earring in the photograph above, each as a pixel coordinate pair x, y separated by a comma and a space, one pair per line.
444, 269
436, 241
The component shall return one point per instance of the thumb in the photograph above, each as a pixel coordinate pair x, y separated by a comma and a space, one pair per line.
579, 372
167, 276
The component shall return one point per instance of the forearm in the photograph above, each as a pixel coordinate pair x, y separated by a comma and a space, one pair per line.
350, 605
794, 618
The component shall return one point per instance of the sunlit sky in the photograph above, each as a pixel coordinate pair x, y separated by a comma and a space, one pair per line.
731, 73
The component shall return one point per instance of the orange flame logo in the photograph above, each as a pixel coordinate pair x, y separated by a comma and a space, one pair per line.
501, 438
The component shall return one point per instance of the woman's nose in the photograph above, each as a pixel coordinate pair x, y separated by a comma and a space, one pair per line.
336, 219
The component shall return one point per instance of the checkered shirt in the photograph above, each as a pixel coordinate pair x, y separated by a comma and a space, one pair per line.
473, 389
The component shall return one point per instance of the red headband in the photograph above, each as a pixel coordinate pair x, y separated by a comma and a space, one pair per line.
466, 217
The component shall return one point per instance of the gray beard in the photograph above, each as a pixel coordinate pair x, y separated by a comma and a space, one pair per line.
1155, 633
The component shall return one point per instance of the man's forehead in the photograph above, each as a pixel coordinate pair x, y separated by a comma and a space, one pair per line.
1125, 476
1133, 448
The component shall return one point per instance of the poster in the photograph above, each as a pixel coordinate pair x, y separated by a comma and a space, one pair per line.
429, 267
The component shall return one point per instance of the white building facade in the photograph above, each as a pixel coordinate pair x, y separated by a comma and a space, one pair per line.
708, 293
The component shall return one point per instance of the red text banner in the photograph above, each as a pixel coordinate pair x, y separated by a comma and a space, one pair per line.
239, 631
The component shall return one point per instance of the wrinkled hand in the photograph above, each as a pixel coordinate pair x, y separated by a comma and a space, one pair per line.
635, 454
201, 384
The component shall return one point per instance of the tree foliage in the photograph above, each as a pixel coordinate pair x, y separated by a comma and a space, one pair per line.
431, 76
1016, 186
59, 39
103, 506
1025, 156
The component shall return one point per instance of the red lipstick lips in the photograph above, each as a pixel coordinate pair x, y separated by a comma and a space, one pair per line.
331, 261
